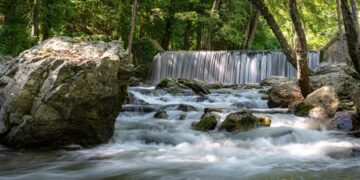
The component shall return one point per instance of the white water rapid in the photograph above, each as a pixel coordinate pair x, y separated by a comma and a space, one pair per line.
232, 67
148, 148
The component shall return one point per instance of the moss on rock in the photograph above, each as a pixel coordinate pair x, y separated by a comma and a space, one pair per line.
244, 121
302, 109
207, 123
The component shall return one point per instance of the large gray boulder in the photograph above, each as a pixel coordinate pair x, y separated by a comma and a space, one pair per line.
64, 92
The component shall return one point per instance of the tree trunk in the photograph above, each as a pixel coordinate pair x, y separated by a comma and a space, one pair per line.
259, 4
355, 16
303, 79
213, 14
198, 36
340, 33
132, 25
187, 34
251, 28
35, 20
351, 34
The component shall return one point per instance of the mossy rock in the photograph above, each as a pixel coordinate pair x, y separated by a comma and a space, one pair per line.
243, 121
169, 85
302, 109
161, 115
207, 123
165, 83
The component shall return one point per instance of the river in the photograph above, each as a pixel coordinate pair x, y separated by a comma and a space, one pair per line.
148, 148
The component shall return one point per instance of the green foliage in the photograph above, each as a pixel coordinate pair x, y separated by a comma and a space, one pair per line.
110, 20
144, 50
14, 36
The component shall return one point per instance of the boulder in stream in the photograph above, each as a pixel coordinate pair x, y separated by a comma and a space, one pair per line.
208, 122
161, 115
243, 121
284, 95
64, 92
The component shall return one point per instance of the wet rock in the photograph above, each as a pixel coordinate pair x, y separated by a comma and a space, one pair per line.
64, 92
139, 108
178, 86
245, 105
326, 68
4, 81
207, 123
72, 147
161, 115
170, 85
243, 121
343, 121
208, 110
197, 86
131, 99
320, 104
134, 81
344, 84
356, 100
284, 95
324, 98
186, 108
302, 109
215, 85
182, 117
232, 86
252, 86
276, 80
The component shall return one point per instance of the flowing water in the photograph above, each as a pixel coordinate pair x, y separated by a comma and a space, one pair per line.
233, 67
148, 148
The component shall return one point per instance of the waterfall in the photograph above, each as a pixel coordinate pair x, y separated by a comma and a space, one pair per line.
230, 67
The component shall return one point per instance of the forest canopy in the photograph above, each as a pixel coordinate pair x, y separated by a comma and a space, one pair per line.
176, 25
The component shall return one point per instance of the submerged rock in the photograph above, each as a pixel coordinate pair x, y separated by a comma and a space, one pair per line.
208, 122
64, 92
243, 121
186, 108
161, 115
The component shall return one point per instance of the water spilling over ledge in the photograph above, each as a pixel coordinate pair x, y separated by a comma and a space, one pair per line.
232, 67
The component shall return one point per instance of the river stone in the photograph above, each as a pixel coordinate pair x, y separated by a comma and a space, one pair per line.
161, 115
215, 85
207, 123
276, 80
186, 108
170, 85
284, 95
198, 87
243, 121
64, 92
325, 98
343, 121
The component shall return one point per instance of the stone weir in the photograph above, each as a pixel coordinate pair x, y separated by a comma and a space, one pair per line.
232, 67
63, 92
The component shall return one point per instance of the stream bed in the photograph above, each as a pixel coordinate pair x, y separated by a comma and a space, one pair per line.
147, 148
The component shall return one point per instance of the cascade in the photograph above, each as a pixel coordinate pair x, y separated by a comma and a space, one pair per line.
230, 67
